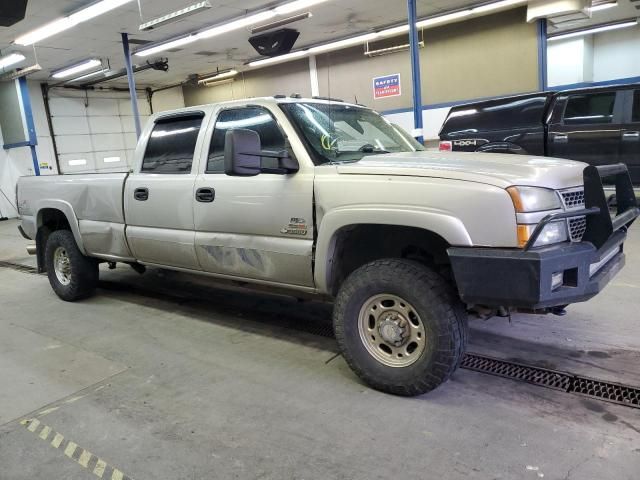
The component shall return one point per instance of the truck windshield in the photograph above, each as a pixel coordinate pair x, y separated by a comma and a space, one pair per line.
345, 133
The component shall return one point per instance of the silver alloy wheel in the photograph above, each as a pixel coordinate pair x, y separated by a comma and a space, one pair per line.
62, 266
391, 330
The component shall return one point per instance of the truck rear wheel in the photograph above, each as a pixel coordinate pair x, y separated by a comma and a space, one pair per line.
400, 326
71, 275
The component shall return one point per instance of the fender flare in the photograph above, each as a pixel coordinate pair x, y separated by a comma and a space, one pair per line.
67, 210
448, 227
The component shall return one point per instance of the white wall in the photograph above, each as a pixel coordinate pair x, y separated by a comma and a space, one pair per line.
594, 58
616, 54
169, 99
432, 119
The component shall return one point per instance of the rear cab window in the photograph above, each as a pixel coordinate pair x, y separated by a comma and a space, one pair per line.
171, 145
590, 108
635, 109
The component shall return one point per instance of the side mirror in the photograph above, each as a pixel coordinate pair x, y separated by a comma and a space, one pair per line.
242, 153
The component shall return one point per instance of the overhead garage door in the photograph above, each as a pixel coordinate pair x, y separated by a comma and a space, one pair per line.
94, 131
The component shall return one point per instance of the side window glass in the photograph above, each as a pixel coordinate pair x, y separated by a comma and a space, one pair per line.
171, 146
590, 108
635, 112
252, 118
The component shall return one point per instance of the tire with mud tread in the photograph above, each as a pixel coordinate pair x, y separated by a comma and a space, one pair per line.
72, 275
400, 326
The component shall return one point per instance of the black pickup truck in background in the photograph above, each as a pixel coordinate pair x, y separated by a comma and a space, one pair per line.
599, 125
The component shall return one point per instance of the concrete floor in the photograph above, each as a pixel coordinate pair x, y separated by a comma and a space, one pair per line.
162, 376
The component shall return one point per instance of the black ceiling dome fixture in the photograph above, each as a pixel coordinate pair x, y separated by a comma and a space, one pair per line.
275, 43
12, 11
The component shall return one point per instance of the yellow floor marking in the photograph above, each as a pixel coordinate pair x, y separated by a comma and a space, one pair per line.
84, 458
33, 426
100, 467
44, 434
47, 411
57, 440
25, 421
71, 448
117, 474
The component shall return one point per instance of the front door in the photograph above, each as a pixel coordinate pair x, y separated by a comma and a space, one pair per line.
254, 227
589, 130
630, 148
159, 197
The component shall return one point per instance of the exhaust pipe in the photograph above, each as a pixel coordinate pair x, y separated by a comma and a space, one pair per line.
32, 250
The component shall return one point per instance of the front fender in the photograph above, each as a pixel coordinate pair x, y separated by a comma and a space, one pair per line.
448, 227
67, 210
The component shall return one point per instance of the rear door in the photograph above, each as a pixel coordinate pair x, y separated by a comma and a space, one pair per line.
159, 197
630, 147
588, 127
254, 227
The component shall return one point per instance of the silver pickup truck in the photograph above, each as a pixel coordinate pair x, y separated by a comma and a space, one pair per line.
330, 199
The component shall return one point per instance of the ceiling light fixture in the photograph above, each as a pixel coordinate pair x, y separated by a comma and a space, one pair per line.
22, 72
604, 6
279, 59
11, 59
384, 51
595, 29
65, 23
281, 23
88, 75
175, 16
347, 42
218, 76
77, 68
230, 26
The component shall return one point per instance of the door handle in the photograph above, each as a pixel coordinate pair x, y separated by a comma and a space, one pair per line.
560, 138
141, 194
205, 195
631, 136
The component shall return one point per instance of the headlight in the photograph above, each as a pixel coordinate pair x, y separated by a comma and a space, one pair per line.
554, 232
534, 199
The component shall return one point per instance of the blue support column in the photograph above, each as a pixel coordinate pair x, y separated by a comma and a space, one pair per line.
542, 55
415, 69
31, 127
132, 83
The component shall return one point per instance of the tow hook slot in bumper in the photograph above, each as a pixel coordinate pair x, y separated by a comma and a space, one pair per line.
554, 275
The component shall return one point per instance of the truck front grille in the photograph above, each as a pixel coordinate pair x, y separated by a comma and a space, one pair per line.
573, 198
577, 227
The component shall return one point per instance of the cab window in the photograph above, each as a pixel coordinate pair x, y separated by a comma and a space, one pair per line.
635, 112
257, 119
171, 145
590, 108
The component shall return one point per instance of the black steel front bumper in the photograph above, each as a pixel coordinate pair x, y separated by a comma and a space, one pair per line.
557, 275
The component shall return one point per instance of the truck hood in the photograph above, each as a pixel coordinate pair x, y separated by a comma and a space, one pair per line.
500, 170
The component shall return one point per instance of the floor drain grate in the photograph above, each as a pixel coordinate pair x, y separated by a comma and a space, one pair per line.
567, 382
19, 267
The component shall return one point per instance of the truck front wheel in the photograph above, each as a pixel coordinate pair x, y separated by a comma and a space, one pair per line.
71, 275
400, 326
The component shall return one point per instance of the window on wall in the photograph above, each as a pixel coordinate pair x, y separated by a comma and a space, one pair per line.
252, 118
590, 108
172, 145
635, 112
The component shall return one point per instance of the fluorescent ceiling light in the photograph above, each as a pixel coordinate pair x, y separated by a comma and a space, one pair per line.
236, 24
166, 46
280, 23
88, 75
443, 18
496, 5
218, 76
96, 10
175, 16
23, 72
65, 23
11, 59
604, 6
596, 29
278, 59
80, 67
390, 32
296, 5
347, 42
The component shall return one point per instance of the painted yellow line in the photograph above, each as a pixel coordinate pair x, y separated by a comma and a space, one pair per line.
47, 411
100, 467
44, 434
33, 425
70, 450
57, 440
84, 458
